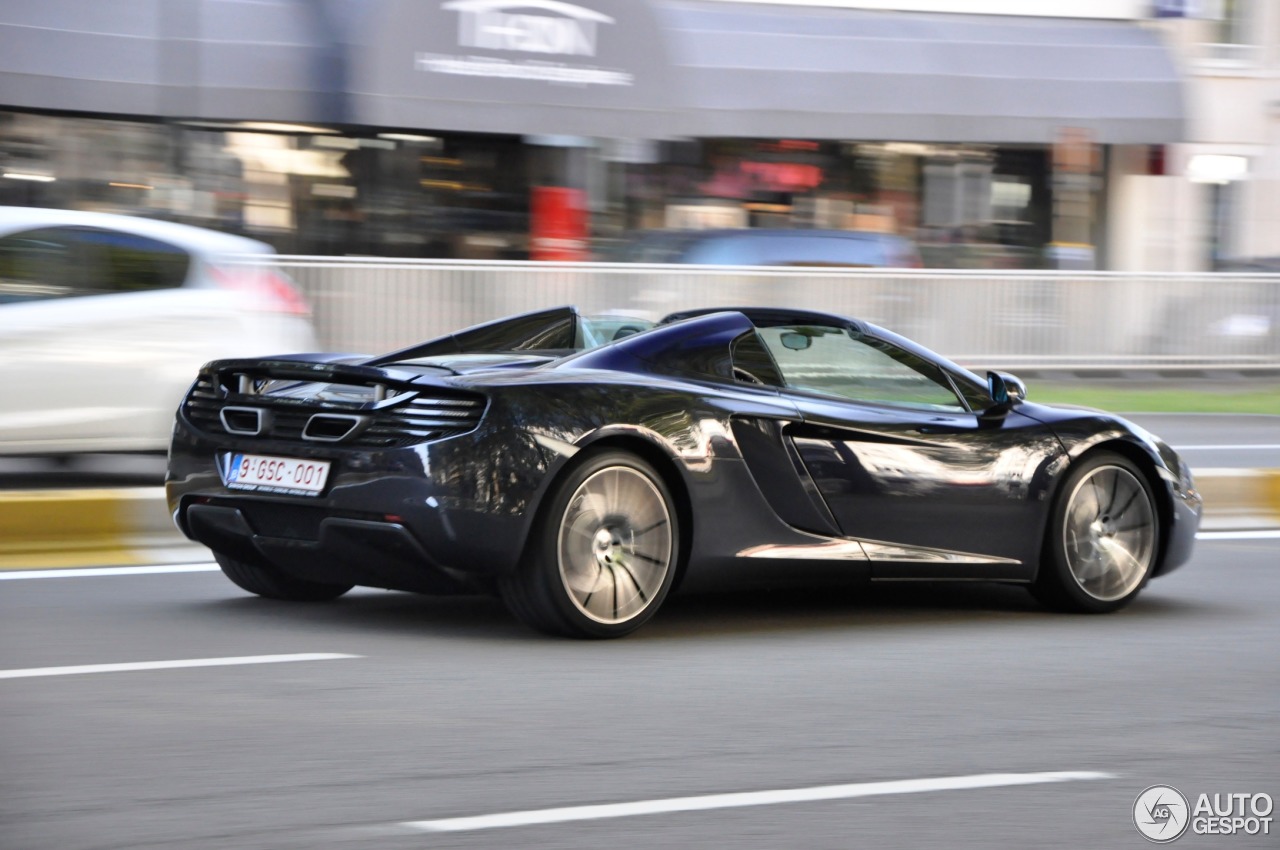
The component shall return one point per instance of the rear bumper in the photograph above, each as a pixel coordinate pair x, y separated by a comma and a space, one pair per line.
426, 518
344, 550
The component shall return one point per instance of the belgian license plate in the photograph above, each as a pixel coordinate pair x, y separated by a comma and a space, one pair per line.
271, 474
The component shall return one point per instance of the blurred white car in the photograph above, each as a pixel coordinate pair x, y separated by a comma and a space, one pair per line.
105, 318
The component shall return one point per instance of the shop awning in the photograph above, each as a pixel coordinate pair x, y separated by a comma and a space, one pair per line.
640, 69
258, 60
692, 68
748, 69
524, 67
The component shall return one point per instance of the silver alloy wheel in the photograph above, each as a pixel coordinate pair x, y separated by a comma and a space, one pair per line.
1109, 536
615, 544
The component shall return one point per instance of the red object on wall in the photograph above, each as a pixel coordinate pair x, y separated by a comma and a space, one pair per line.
558, 224
1156, 160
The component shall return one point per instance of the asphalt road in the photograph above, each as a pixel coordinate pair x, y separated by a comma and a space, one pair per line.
451, 709
1218, 440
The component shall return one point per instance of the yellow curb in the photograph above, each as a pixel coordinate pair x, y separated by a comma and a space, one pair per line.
48, 529
1235, 496
1271, 491
51, 529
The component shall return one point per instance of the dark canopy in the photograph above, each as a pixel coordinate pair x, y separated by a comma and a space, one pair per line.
607, 68
259, 60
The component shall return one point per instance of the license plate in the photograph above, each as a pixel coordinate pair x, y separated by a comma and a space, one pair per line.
270, 474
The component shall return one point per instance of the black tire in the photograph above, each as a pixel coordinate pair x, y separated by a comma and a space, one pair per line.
603, 554
1103, 538
273, 584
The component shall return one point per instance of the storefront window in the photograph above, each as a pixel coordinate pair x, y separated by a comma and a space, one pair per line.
303, 190
404, 194
1234, 36
965, 206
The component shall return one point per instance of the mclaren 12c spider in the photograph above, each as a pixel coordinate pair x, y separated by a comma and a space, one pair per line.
581, 479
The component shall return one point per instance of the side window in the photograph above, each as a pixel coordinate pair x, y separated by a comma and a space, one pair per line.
833, 362
752, 363
975, 394
63, 262
732, 250
804, 250
36, 265
127, 262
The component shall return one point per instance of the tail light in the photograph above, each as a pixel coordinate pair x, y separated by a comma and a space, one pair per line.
273, 290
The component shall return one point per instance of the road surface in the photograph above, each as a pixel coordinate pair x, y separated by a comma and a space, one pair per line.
379, 720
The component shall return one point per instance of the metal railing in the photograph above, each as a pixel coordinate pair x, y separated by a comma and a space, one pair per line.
1027, 320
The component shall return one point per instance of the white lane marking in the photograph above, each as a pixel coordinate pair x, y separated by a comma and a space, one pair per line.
16, 575
1260, 534
171, 665
1145, 414
748, 798
1227, 447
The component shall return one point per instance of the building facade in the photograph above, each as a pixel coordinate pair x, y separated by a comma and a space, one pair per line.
991, 135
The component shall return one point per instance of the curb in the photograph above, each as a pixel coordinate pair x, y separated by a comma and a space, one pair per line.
1239, 499
49, 529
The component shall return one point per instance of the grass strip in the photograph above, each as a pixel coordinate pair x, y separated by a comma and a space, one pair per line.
1142, 399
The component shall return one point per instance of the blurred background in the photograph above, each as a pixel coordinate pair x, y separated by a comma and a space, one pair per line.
1126, 135
1084, 192
1057, 187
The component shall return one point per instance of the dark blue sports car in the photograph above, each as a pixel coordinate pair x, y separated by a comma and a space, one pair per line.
581, 467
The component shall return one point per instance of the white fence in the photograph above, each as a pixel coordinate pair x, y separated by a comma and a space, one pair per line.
1028, 320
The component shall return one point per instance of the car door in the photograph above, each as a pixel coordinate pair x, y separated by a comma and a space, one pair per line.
931, 488
42, 281
93, 322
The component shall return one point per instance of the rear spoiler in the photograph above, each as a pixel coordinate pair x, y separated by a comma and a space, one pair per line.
544, 330
250, 376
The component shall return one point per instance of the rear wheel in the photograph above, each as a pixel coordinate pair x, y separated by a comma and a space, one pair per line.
274, 584
604, 555
1103, 537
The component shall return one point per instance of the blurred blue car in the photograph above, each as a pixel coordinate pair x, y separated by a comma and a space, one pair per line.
772, 247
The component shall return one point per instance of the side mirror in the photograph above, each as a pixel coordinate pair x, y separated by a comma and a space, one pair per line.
1006, 390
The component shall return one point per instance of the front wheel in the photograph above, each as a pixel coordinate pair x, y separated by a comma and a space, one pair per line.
274, 584
604, 555
1103, 537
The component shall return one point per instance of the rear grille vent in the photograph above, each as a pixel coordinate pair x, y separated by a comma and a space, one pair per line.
413, 416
